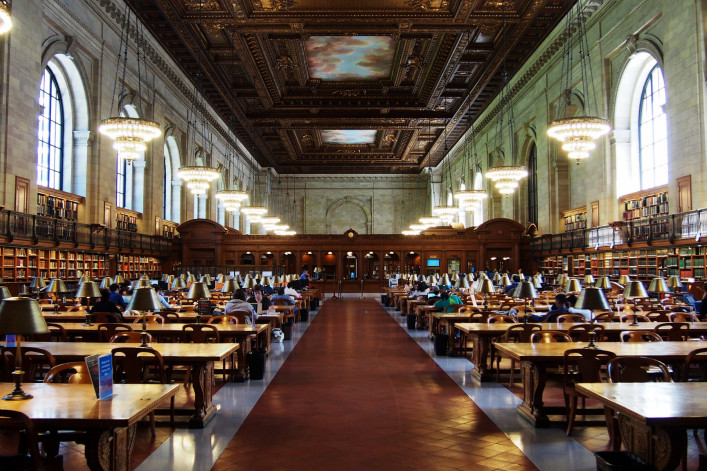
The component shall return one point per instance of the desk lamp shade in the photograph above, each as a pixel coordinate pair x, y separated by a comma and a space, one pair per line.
170, 280
141, 283
525, 290
144, 277
505, 281
191, 278
88, 289
635, 289
624, 280
537, 282
589, 279
561, 279
603, 283
84, 279
249, 283
106, 282
573, 286
266, 281
220, 278
658, 285
462, 282
179, 283
239, 279
455, 277
496, 276
119, 279
198, 290
206, 279
184, 277
592, 298
164, 277
56, 286
277, 279
486, 286
229, 286
674, 282
144, 299
37, 283
4, 293
445, 281
20, 316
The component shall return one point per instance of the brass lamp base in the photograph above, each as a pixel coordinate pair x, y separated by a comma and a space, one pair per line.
144, 335
17, 394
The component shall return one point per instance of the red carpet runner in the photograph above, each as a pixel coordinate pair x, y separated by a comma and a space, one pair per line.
357, 393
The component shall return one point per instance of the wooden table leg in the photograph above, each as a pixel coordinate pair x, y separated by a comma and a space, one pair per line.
110, 450
202, 378
661, 448
482, 347
534, 378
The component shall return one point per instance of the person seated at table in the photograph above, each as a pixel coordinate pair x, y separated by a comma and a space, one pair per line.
447, 301
163, 301
434, 292
115, 296
257, 298
512, 287
291, 290
268, 290
106, 305
239, 303
420, 289
284, 297
558, 308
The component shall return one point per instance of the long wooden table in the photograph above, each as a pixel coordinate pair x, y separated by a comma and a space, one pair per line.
653, 417
535, 358
482, 335
110, 424
199, 356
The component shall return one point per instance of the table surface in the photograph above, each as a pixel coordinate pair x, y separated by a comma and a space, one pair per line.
75, 405
175, 352
474, 327
669, 351
661, 404
75, 328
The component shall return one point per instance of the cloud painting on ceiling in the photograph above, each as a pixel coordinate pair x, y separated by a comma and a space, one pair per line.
349, 57
348, 136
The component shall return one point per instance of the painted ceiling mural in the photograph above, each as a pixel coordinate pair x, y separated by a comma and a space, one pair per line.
348, 136
349, 57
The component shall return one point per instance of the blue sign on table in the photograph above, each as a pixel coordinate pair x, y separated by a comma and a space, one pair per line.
100, 368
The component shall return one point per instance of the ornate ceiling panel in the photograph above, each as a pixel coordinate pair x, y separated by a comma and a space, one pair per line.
356, 86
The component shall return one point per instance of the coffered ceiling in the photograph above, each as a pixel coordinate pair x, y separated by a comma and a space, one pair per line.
350, 86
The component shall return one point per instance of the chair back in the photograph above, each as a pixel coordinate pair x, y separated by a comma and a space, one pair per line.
104, 317
695, 368
129, 337
106, 331
35, 362
170, 317
281, 302
150, 319
637, 370
129, 364
585, 365
520, 333
200, 333
230, 319
580, 332
673, 331
639, 336
659, 316
682, 317
57, 333
631, 317
604, 317
479, 317
571, 318
501, 319
34, 460
73, 373
549, 336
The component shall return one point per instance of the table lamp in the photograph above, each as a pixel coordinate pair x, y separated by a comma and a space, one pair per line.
455, 277
266, 281
462, 282
624, 280
592, 298
561, 279
20, 316
603, 283
658, 285
635, 289
88, 289
4, 293
486, 287
573, 286
57, 287
198, 290
164, 277
144, 299
229, 286
537, 282
674, 283
525, 290
430, 280
84, 279
119, 279
589, 279
37, 284
505, 281
445, 281
191, 278
206, 279
179, 283
220, 278
106, 282
249, 283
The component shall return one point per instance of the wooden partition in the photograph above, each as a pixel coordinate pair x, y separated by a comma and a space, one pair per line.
499, 243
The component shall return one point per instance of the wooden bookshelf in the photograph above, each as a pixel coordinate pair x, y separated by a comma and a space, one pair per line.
133, 266
169, 229
575, 219
21, 264
126, 220
58, 204
644, 204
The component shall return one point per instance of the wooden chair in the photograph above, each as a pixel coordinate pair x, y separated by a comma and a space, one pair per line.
72, 373
132, 336
659, 315
581, 365
57, 333
639, 336
104, 317
549, 336
580, 332
695, 368
230, 319
107, 331
22, 461
682, 317
200, 333
604, 317
501, 319
637, 370
170, 317
150, 319
36, 362
631, 317
130, 366
519, 333
673, 331
571, 318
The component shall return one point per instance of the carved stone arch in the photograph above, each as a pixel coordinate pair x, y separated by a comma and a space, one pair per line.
348, 200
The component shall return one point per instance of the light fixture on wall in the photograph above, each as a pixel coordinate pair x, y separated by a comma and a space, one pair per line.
197, 177
130, 135
577, 133
5, 18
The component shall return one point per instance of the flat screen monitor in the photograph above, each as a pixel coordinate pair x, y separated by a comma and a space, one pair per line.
432, 262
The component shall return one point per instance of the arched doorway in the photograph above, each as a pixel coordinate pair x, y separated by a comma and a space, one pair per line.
289, 262
308, 262
247, 258
391, 265
371, 266
350, 266
412, 263
329, 266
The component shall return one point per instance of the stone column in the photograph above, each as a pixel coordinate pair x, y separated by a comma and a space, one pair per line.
78, 175
201, 213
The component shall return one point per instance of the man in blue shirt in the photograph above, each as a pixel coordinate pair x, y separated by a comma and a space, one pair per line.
115, 296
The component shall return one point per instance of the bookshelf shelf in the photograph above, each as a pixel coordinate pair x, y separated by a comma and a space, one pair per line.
20, 264
575, 219
58, 204
126, 220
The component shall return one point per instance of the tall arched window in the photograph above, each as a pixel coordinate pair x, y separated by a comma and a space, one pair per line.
130, 176
50, 134
171, 193
121, 172
653, 131
533, 185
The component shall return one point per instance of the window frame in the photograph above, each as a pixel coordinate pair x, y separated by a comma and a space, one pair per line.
54, 130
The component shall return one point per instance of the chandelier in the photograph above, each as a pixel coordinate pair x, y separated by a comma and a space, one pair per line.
5, 19
130, 134
577, 133
411, 232
285, 233
506, 178
231, 199
468, 198
198, 178
430, 221
254, 213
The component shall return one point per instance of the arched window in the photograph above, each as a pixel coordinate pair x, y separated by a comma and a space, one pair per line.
50, 134
653, 131
171, 192
130, 176
533, 185
121, 172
